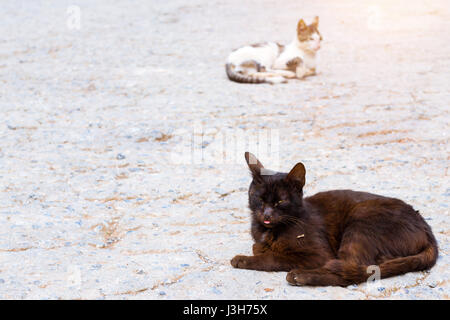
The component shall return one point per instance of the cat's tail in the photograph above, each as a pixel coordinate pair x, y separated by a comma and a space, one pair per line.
237, 77
389, 268
421, 261
337, 272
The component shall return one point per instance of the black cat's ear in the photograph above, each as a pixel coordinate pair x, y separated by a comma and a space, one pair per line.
297, 174
254, 165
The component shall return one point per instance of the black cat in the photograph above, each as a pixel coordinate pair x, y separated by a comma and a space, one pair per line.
332, 237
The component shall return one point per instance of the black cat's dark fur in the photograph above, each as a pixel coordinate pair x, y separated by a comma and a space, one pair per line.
331, 238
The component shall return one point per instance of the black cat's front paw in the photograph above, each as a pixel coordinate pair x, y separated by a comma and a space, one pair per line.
297, 279
241, 262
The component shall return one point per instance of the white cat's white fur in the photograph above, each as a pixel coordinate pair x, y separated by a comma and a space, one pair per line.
273, 59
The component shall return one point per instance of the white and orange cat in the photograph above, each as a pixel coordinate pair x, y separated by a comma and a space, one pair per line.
273, 63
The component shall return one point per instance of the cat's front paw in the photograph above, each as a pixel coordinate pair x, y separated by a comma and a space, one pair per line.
240, 262
297, 279
311, 72
301, 72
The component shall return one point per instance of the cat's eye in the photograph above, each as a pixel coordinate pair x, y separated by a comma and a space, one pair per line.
279, 202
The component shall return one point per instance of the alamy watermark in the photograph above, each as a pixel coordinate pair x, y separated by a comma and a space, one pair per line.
209, 146
374, 278
73, 17
374, 18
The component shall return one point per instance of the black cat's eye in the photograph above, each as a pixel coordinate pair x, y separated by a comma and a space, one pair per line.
279, 202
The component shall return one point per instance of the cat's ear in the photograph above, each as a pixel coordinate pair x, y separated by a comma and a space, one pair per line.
254, 165
315, 22
297, 174
301, 26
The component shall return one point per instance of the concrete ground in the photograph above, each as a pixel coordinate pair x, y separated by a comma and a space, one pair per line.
114, 182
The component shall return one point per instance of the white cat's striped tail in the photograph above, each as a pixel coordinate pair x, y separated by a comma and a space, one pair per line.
236, 77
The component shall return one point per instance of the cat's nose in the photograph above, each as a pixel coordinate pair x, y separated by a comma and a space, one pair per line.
268, 212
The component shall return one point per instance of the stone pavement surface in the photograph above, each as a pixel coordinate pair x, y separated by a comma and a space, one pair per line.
112, 112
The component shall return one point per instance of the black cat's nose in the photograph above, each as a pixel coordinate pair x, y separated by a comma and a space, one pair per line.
268, 212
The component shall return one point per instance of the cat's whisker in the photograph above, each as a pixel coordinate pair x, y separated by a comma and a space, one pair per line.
289, 220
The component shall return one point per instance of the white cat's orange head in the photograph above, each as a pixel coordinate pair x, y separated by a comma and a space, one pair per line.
309, 36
